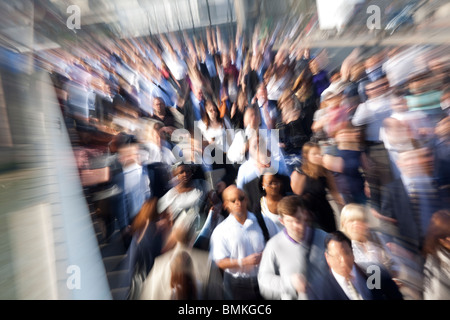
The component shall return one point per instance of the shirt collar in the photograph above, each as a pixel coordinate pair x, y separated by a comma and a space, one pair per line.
341, 279
261, 103
305, 236
249, 221
131, 167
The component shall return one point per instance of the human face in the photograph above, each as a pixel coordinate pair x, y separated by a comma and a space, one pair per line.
339, 256
445, 242
211, 111
280, 58
250, 119
313, 66
356, 229
315, 156
334, 101
198, 93
235, 201
271, 184
262, 94
183, 174
377, 88
128, 155
295, 225
262, 159
158, 106
399, 104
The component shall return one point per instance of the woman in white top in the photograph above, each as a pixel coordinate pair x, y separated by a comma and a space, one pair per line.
278, 76
214, 128
188, 196
272, 192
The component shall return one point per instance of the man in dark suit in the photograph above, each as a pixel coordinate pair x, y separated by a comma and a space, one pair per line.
267, 108
348, 281
193, 106
409, 201
132, 182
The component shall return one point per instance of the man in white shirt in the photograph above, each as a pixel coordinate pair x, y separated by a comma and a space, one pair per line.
237, 244
261, 158
370, 116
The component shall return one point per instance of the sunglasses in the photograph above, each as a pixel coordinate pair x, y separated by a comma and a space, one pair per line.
240, 198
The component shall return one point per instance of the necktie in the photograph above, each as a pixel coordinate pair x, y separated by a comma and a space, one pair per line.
354, 295
267, 117
202, 106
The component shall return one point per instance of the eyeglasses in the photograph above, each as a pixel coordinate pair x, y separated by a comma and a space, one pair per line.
346, 253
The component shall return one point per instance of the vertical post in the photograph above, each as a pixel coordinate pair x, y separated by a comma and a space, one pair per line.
209, 13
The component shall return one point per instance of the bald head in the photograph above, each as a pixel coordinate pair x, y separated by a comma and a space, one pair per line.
228, 191
235, 200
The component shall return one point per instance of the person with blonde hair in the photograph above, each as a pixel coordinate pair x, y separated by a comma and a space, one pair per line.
371, 249
354, 223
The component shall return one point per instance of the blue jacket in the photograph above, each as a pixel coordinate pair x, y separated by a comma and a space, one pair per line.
127, 203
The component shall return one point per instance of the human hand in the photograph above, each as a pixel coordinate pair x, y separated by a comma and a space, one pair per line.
252, 260
298, 282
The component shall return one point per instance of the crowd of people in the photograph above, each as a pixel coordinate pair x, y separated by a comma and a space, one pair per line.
235, 169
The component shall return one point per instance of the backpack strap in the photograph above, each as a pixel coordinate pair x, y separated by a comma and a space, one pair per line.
262, 224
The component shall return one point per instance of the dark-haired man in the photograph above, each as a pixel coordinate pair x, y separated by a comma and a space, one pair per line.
346, 280
133, 183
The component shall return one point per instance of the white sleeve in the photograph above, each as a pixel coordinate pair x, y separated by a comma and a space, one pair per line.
234, 152
269, 280
272, 285
218, 246
240, 179
362, 115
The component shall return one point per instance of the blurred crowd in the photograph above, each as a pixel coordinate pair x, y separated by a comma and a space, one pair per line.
236, 169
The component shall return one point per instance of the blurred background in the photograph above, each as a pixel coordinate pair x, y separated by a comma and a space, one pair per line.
49, 247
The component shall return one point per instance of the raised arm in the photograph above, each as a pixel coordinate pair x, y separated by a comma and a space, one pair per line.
298, 181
